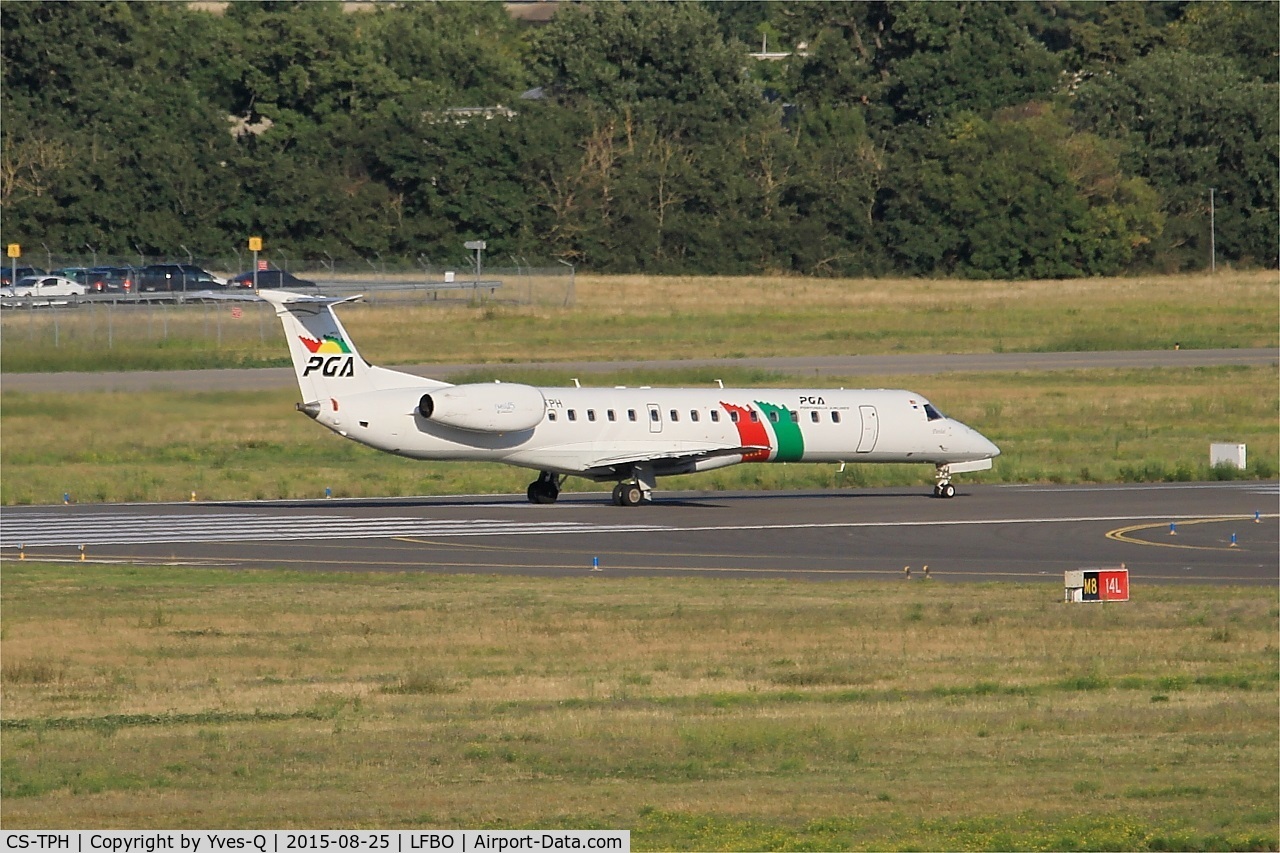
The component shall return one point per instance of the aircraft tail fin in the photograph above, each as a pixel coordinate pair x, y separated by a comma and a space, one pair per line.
325, 359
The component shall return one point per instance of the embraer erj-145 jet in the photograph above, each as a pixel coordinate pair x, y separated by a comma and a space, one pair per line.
631, 436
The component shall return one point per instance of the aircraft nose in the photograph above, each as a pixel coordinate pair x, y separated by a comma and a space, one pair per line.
982, 447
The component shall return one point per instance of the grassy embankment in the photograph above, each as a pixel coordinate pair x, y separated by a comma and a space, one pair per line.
1065, 427
630, 317
701, 714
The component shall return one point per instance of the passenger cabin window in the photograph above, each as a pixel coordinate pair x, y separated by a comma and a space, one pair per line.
591, 414
612, 415
654, 416
773, 417
675, 416
755, 416
551, 414
715, 415
573, 416
631, 414
795, 417
934, 414
733, 416
813, 416
693, 415
835, 417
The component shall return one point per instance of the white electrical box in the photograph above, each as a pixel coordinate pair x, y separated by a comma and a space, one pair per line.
1227, 454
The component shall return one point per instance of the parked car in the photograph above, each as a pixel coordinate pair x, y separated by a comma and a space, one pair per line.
41, 287
111, 279
7, 276
178, 277
270, 278
77, 274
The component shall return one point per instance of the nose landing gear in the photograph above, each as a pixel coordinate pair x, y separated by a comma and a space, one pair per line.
943, 488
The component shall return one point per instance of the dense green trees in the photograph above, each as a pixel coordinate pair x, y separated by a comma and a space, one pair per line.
1044, 139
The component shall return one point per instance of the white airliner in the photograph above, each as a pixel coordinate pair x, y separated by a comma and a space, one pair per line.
628, 435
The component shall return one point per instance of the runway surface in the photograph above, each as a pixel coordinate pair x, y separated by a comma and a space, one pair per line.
819, 367
1163, 533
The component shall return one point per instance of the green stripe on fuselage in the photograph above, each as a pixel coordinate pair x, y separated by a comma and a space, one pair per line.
790, 439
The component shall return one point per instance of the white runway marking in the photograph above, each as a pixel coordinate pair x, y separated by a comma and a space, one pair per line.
45, 529
972, 522
112, 529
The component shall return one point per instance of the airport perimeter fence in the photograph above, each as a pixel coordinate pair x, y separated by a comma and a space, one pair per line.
224, 317
400, 278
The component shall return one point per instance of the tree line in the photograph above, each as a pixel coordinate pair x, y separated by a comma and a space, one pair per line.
982, 139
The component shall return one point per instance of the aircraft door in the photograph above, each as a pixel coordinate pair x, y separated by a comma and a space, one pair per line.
655, 418
870, 429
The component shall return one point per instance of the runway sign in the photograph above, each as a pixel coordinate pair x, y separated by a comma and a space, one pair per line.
1096, 585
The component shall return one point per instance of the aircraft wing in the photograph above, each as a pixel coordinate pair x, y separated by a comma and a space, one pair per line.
673, 459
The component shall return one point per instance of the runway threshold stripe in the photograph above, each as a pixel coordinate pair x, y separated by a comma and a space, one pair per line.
35, 531
141, 530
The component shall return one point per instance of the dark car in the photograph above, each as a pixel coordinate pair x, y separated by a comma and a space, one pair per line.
110, 279
178, 277
7, 276
270, 278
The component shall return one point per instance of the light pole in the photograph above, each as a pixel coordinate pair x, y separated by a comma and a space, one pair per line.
477, 246
573, 273
1213, 237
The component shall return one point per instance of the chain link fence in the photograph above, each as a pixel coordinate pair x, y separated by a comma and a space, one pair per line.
227, 317
517, 283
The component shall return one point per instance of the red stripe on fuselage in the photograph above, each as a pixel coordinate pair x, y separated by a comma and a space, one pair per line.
750, 432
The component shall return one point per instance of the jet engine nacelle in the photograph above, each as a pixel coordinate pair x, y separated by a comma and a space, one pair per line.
499, 407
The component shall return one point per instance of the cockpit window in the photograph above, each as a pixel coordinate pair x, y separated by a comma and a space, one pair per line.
934, 414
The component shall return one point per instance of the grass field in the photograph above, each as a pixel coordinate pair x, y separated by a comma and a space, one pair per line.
629, 317
702, 715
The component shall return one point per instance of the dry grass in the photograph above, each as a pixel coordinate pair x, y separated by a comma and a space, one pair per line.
629, 317
702, 714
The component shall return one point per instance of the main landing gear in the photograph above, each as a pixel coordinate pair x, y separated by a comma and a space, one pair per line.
943, 488
545, 489
628, 494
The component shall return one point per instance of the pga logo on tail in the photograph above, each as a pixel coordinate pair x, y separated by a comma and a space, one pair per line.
332, 365
321, 359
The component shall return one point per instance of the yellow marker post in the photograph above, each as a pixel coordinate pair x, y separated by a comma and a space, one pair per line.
255, 246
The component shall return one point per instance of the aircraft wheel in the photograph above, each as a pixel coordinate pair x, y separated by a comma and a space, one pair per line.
946, 491
632, 494
540, 493
617, 495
